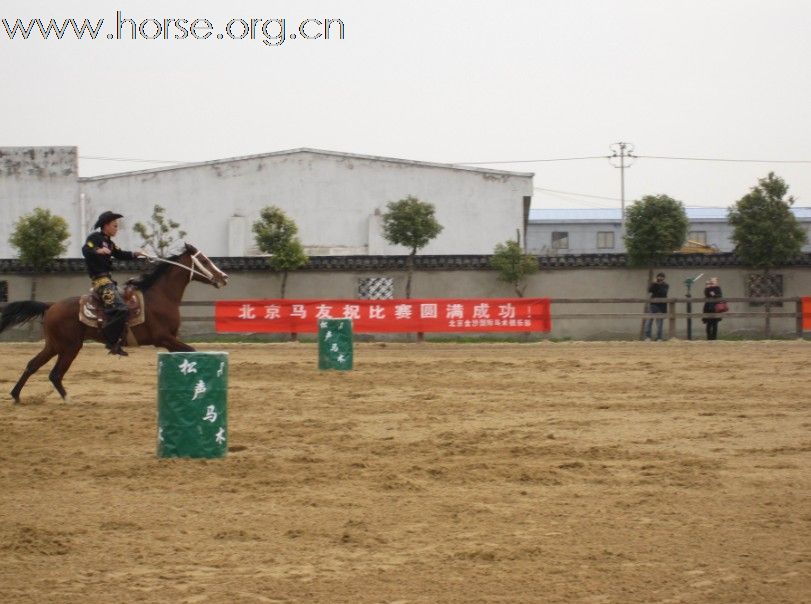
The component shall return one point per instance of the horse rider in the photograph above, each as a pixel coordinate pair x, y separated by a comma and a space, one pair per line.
99, 251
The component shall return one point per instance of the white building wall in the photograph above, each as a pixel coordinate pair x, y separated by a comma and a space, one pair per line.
719, 233
39, 177
336, 200
582, 238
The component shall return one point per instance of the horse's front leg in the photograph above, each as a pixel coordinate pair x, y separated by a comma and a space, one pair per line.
172, 344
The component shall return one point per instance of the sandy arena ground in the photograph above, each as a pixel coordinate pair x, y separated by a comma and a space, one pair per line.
574, 472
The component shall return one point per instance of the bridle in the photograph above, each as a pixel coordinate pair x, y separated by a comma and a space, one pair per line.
196, 268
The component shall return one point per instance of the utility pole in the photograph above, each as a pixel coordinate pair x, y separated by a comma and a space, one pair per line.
619, 153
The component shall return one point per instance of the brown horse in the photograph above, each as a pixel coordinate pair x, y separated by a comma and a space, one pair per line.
162, 290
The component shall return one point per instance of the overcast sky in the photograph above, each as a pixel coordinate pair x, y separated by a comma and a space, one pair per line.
434, 80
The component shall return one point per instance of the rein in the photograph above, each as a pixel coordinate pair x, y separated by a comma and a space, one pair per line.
196, 264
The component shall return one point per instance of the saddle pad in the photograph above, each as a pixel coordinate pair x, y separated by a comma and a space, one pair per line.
91, 315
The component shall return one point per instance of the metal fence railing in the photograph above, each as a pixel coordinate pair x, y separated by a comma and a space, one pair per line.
689, 309
765, 310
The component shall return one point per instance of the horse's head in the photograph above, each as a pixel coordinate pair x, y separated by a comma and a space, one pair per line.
202, 269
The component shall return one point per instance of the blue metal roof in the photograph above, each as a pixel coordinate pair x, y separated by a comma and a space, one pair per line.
595, 214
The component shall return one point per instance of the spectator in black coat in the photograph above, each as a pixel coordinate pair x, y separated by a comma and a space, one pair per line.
713, 292
657, 289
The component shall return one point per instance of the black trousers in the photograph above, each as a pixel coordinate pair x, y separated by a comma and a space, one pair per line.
115, 312
712, 329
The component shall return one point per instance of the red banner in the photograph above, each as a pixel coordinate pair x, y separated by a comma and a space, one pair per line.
379, 316
806, 306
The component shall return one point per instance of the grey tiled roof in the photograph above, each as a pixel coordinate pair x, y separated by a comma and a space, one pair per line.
378, 263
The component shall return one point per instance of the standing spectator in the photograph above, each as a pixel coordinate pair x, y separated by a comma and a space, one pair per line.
713, 292
657, 289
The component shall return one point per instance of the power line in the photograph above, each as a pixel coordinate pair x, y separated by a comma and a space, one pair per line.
512, 161
528, 161
577, 194
710, 159
723, 159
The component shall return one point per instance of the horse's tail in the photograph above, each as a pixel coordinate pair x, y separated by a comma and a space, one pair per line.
15, 313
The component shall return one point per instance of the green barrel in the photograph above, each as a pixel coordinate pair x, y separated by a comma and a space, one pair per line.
335, 344
192, 404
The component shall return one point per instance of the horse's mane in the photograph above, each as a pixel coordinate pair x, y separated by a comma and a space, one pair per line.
147, 279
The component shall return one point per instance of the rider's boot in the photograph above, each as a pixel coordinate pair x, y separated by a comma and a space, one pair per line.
113, 332
118, 349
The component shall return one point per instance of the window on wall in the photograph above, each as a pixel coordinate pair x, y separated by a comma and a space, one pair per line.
698, 237
605, 240
759, 285
376, 288
560, 240
3, 291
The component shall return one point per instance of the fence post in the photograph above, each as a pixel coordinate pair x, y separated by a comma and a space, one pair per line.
671, 320
799, 318
767, 328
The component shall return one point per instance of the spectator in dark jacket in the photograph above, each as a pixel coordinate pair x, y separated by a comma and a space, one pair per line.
657, 289
713, 292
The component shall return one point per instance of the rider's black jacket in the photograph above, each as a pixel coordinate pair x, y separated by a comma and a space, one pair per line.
101, 264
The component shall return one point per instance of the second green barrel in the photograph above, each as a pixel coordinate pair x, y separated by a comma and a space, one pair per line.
335, 344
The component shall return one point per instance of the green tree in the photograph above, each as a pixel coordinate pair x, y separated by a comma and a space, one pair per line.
39, 238
411, 223
276, 234
513, 265
765, 232
655, 227
157, 233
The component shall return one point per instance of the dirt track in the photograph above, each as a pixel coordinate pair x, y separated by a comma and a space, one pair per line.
577, 472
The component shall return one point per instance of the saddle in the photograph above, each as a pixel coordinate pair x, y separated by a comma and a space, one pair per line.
91, 310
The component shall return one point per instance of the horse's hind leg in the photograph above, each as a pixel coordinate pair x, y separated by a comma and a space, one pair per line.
63, 363
45, 355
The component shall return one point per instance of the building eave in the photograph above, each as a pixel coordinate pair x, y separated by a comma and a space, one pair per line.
323, 152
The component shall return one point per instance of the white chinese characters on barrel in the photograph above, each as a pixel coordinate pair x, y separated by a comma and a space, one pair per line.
341, 358
211, 414
187, 367
199, 388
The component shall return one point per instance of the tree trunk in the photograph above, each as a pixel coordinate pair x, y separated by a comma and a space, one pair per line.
645, 308
410, 268
283, 292
767, 327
